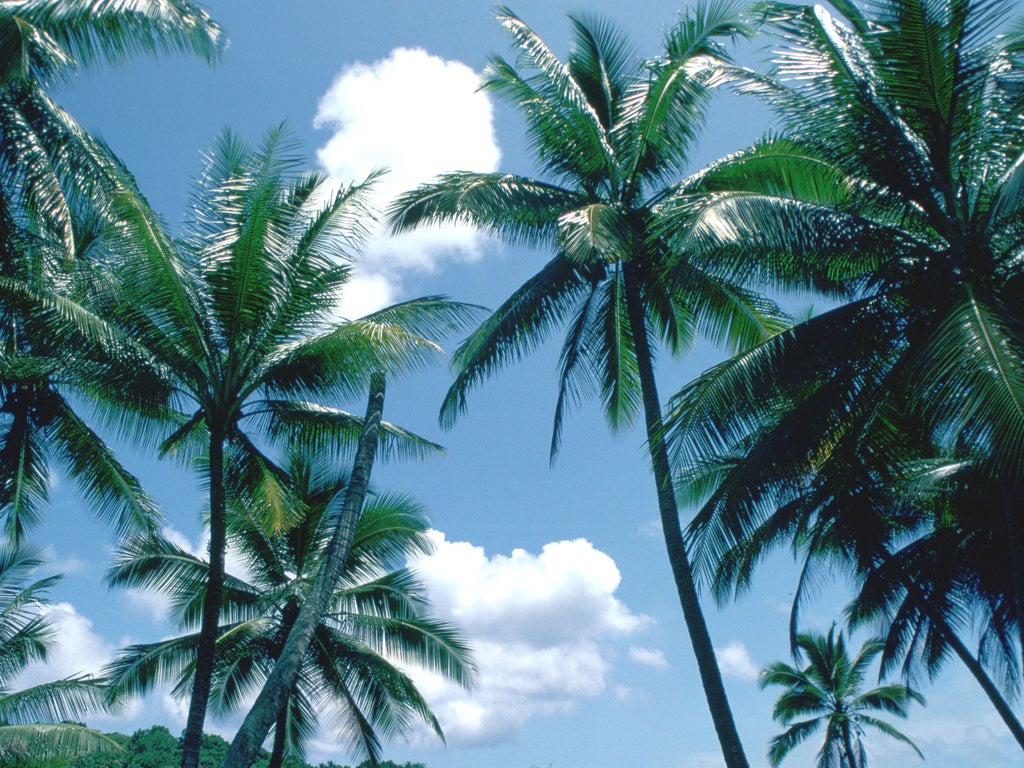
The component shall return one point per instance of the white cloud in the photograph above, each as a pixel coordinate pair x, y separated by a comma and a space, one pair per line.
417, 115
365, 294
539, 624
734, 661
648, 657
76, 648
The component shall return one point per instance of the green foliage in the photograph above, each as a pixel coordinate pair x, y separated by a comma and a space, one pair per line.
378, 615
886, 435
611, 133
56, 191
827, 693
156, 747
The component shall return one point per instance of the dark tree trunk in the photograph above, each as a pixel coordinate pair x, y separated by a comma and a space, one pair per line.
851, 756
280, 732
1015, 534
282, 678
211, 608
703, 650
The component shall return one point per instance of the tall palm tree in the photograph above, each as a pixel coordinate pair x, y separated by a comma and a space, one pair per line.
898, 191
377, 617
56, 187
34, 722
237, 319
827, 692
612, 133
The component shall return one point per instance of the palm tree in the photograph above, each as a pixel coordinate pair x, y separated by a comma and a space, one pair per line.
921, 533
897, 191
56, 187
612, 133
827, 693
33, 721
377, 617
237, 320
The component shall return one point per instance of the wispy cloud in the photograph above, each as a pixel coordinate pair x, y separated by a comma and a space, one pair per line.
648, 657
734, 660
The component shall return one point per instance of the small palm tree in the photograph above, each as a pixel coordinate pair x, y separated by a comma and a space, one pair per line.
33, 720
377, 617
826, 693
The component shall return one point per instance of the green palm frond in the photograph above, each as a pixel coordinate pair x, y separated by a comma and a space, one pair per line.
514, 329
115, 494
972, 374
795, 734
561, 104
93, 30
321, 429
68, 699
515, 208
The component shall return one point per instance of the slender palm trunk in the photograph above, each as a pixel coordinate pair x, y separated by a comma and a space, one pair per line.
851, 755
282, 678
700, 638
211, 607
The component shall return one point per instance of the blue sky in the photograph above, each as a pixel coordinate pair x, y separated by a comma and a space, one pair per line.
558, 575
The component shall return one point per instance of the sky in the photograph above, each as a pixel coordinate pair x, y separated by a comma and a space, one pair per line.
557, 574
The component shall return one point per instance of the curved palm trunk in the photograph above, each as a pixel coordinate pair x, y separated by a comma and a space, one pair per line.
696, 626
211, 607
274, 695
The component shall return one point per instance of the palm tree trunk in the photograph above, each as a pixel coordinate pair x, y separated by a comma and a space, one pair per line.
209, 630
851, 756
282, 678
280, 732
1015, 534
700, 638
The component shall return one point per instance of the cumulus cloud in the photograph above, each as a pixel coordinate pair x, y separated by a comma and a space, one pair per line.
417, 115
734, 661
648, 657
540, 625
76, 648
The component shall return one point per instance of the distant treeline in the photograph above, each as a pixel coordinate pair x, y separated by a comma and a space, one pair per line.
157, 747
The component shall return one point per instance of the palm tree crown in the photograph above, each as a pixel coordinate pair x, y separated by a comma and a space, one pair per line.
897, 191
827, 692
57, 186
